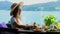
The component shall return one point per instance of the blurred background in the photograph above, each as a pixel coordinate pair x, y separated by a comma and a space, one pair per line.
32, 11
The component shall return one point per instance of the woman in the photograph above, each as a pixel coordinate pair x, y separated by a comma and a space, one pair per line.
15, 13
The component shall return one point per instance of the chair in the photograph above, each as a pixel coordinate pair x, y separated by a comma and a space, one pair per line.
3, 25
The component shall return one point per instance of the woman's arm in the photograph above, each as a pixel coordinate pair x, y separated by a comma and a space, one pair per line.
16, 24
19, 26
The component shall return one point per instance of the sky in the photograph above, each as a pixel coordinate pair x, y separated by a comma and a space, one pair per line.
29, 2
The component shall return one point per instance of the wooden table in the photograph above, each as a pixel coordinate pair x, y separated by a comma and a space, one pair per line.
26, 31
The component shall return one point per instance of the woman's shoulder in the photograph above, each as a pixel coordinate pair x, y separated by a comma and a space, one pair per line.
13, 19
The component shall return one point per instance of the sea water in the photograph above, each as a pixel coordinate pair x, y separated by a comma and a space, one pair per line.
29, 17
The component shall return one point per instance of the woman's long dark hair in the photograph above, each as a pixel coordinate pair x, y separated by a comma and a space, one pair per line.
15, 11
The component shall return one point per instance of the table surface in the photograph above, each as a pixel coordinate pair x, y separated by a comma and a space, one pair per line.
23, 31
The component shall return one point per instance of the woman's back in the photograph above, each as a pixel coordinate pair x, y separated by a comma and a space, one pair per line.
12, 22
